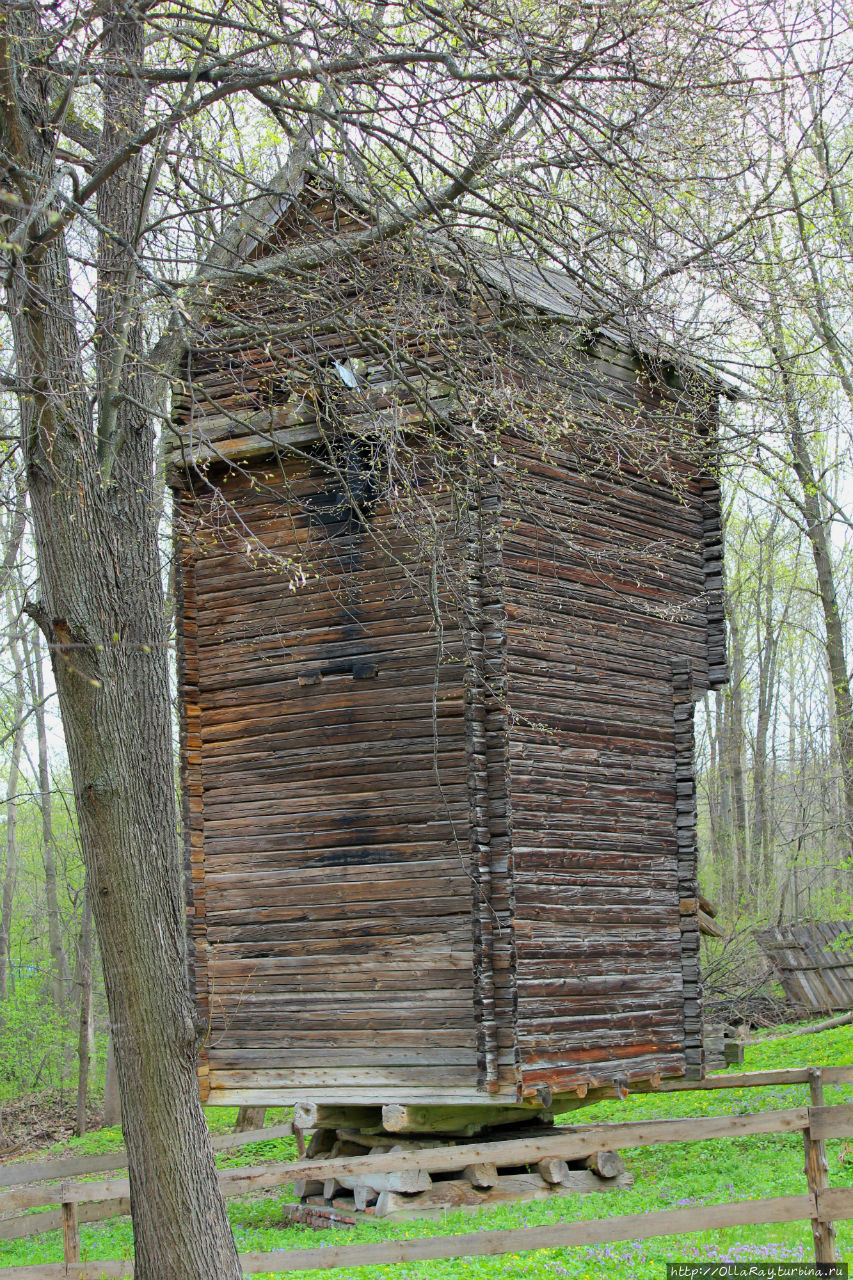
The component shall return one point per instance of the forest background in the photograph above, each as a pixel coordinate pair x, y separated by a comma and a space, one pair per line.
758, 278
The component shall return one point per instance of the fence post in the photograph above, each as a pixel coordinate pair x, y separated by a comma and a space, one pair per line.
70, 1229
817, 1175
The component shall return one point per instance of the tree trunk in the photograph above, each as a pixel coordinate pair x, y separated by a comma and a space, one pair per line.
11, 870
725, 828
735, 753
818, 534
713, 787
767, 637
249, 1118
112, 1103
84, 1040
102, 610
60, 975
95, 526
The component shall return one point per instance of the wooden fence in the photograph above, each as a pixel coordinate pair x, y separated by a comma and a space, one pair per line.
822, 1205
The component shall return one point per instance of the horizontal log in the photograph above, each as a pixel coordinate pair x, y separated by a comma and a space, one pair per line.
107, 1270
366, 1095
507, 1189
399, 1118
409, 1181
20, 1174
232, 1057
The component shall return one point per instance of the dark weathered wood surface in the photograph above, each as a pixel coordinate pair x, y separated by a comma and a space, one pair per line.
817, 1173
333, 887
439, 802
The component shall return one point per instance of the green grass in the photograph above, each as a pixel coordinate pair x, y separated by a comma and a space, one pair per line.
671, 1176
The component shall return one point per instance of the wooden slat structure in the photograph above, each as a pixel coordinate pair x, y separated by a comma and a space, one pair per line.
437, 737
813, 961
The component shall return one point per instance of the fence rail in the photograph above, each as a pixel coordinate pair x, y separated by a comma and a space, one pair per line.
822, 1205
18, 1173
758, 1079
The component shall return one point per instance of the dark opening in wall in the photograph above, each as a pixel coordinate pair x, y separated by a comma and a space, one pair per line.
347, 498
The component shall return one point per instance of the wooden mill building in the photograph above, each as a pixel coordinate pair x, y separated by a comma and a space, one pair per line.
449, 558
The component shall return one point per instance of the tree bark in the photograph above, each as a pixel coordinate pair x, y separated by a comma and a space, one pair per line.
11, 869
60, 976
95, 522
725, 824
249, 1118
112, 1102
84, 1039
767, 631
713, 790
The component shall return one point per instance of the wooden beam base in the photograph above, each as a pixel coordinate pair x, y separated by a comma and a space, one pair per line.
399, 1196
463, 1121
320, 1115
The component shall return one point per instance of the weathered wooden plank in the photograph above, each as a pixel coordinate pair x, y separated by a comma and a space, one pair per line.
758, 1079
366, 1095
107, 1270
70, 1232
23, 1173
31, 1224
817, 1174
314, 1079
831, 1122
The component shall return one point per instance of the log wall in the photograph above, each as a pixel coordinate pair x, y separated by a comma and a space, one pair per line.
331, 863
607, 647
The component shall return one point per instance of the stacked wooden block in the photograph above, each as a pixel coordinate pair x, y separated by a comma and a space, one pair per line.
419, 1193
